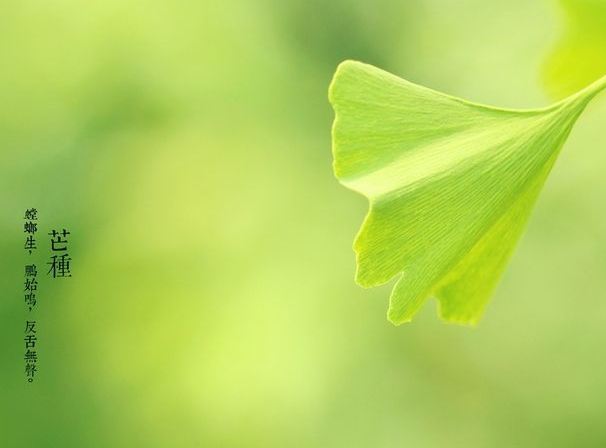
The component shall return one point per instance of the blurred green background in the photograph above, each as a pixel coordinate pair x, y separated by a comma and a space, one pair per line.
186, 145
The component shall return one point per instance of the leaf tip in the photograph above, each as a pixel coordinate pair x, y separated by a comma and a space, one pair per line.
342, 69
396, 317
453, 317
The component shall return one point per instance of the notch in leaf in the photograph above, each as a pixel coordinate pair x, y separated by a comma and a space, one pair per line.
450, 184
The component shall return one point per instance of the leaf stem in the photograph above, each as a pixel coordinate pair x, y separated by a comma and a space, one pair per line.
589, 92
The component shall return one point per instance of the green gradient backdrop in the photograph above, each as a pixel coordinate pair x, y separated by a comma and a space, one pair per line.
187, 146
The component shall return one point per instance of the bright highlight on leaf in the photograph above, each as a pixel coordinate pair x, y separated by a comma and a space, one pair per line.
450, 184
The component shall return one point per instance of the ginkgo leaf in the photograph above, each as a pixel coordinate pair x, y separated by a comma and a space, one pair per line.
450, 184
580, 55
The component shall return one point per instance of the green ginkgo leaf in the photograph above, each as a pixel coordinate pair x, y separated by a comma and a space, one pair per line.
450, 184
580, 55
